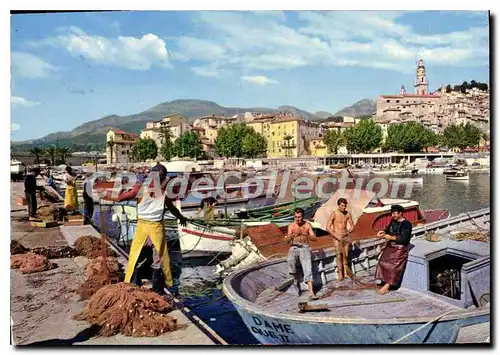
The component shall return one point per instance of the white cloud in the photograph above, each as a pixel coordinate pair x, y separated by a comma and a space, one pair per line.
259, 80
30, 66
205, 71
250, 41
14, 127
21, 101
134, 53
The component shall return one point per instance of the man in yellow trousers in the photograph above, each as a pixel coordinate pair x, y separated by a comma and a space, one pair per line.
150, 231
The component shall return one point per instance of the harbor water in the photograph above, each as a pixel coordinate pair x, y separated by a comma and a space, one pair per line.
201, 291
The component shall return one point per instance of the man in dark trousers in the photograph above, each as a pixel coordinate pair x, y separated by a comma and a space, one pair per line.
394, 257
30, 189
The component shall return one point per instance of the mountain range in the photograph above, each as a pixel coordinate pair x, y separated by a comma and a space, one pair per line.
94, 132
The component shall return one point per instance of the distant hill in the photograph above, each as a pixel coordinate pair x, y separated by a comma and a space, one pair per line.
93, 132
363, 107
322, 114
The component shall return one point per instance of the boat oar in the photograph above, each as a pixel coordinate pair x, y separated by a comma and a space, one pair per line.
306, 307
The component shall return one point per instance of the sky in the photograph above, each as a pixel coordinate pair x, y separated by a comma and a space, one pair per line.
71, 68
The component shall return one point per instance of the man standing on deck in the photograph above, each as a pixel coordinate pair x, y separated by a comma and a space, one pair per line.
150, 232
393, 260
299, 235
207, 205
30, 189
337, 227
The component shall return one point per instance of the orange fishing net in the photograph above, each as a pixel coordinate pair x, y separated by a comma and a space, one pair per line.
29, 263
99, 273
91, 247
130, 310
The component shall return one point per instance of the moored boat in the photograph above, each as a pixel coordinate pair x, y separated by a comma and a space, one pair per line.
460, 175
369, 214
444, 290
408, 180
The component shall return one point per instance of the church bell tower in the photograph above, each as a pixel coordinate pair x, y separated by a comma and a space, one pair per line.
421, 84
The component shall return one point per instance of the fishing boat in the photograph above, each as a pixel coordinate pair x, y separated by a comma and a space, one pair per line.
408, 180
431, 170
16, 170
460, 175
386, 172
369, 214
199, 237
445, 290
407, 172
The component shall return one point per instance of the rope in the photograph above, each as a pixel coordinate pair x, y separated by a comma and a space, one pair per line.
423, 326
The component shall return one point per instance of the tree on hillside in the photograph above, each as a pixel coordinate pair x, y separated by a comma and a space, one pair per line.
448, 88
333, 139
188, 145
364, 137
145, 149
37, 152
472, 135
167, 146
229, 142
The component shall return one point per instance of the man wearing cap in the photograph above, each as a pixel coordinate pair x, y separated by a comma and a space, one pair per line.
393, 260
150, 230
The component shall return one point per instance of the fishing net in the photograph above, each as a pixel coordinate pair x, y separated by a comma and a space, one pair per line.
481, 237
17, 248
92, 247
130, 310
29, 263
56, 252
51, 213
99, 273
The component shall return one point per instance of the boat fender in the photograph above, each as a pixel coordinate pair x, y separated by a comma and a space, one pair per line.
114, 217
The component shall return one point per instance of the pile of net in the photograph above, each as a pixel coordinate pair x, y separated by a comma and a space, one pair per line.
99, 273
91, 247
17, 248
56, 252
130, 310
51, 213
29, 263
481, 237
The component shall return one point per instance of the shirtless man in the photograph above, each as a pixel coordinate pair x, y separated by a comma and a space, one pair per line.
299, 235
337, 227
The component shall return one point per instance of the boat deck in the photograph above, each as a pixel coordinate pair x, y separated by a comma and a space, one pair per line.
355, 300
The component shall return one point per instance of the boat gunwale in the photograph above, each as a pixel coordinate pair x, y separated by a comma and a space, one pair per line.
249, 306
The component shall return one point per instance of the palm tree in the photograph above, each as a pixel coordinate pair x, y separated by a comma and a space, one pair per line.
51, 152
111, 143
36, 152
63, 152
166, 148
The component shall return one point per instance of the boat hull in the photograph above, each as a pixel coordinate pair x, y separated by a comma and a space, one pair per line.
268, 329
457, 178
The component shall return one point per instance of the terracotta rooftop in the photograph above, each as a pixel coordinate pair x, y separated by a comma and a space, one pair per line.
119, 131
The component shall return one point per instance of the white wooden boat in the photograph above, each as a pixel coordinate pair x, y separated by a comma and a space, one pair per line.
423, 310
386, 172
408, 180
431, 171
460, 175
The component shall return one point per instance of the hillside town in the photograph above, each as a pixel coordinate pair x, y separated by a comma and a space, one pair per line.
290, 136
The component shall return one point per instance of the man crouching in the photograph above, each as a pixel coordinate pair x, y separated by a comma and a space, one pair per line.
299, 235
